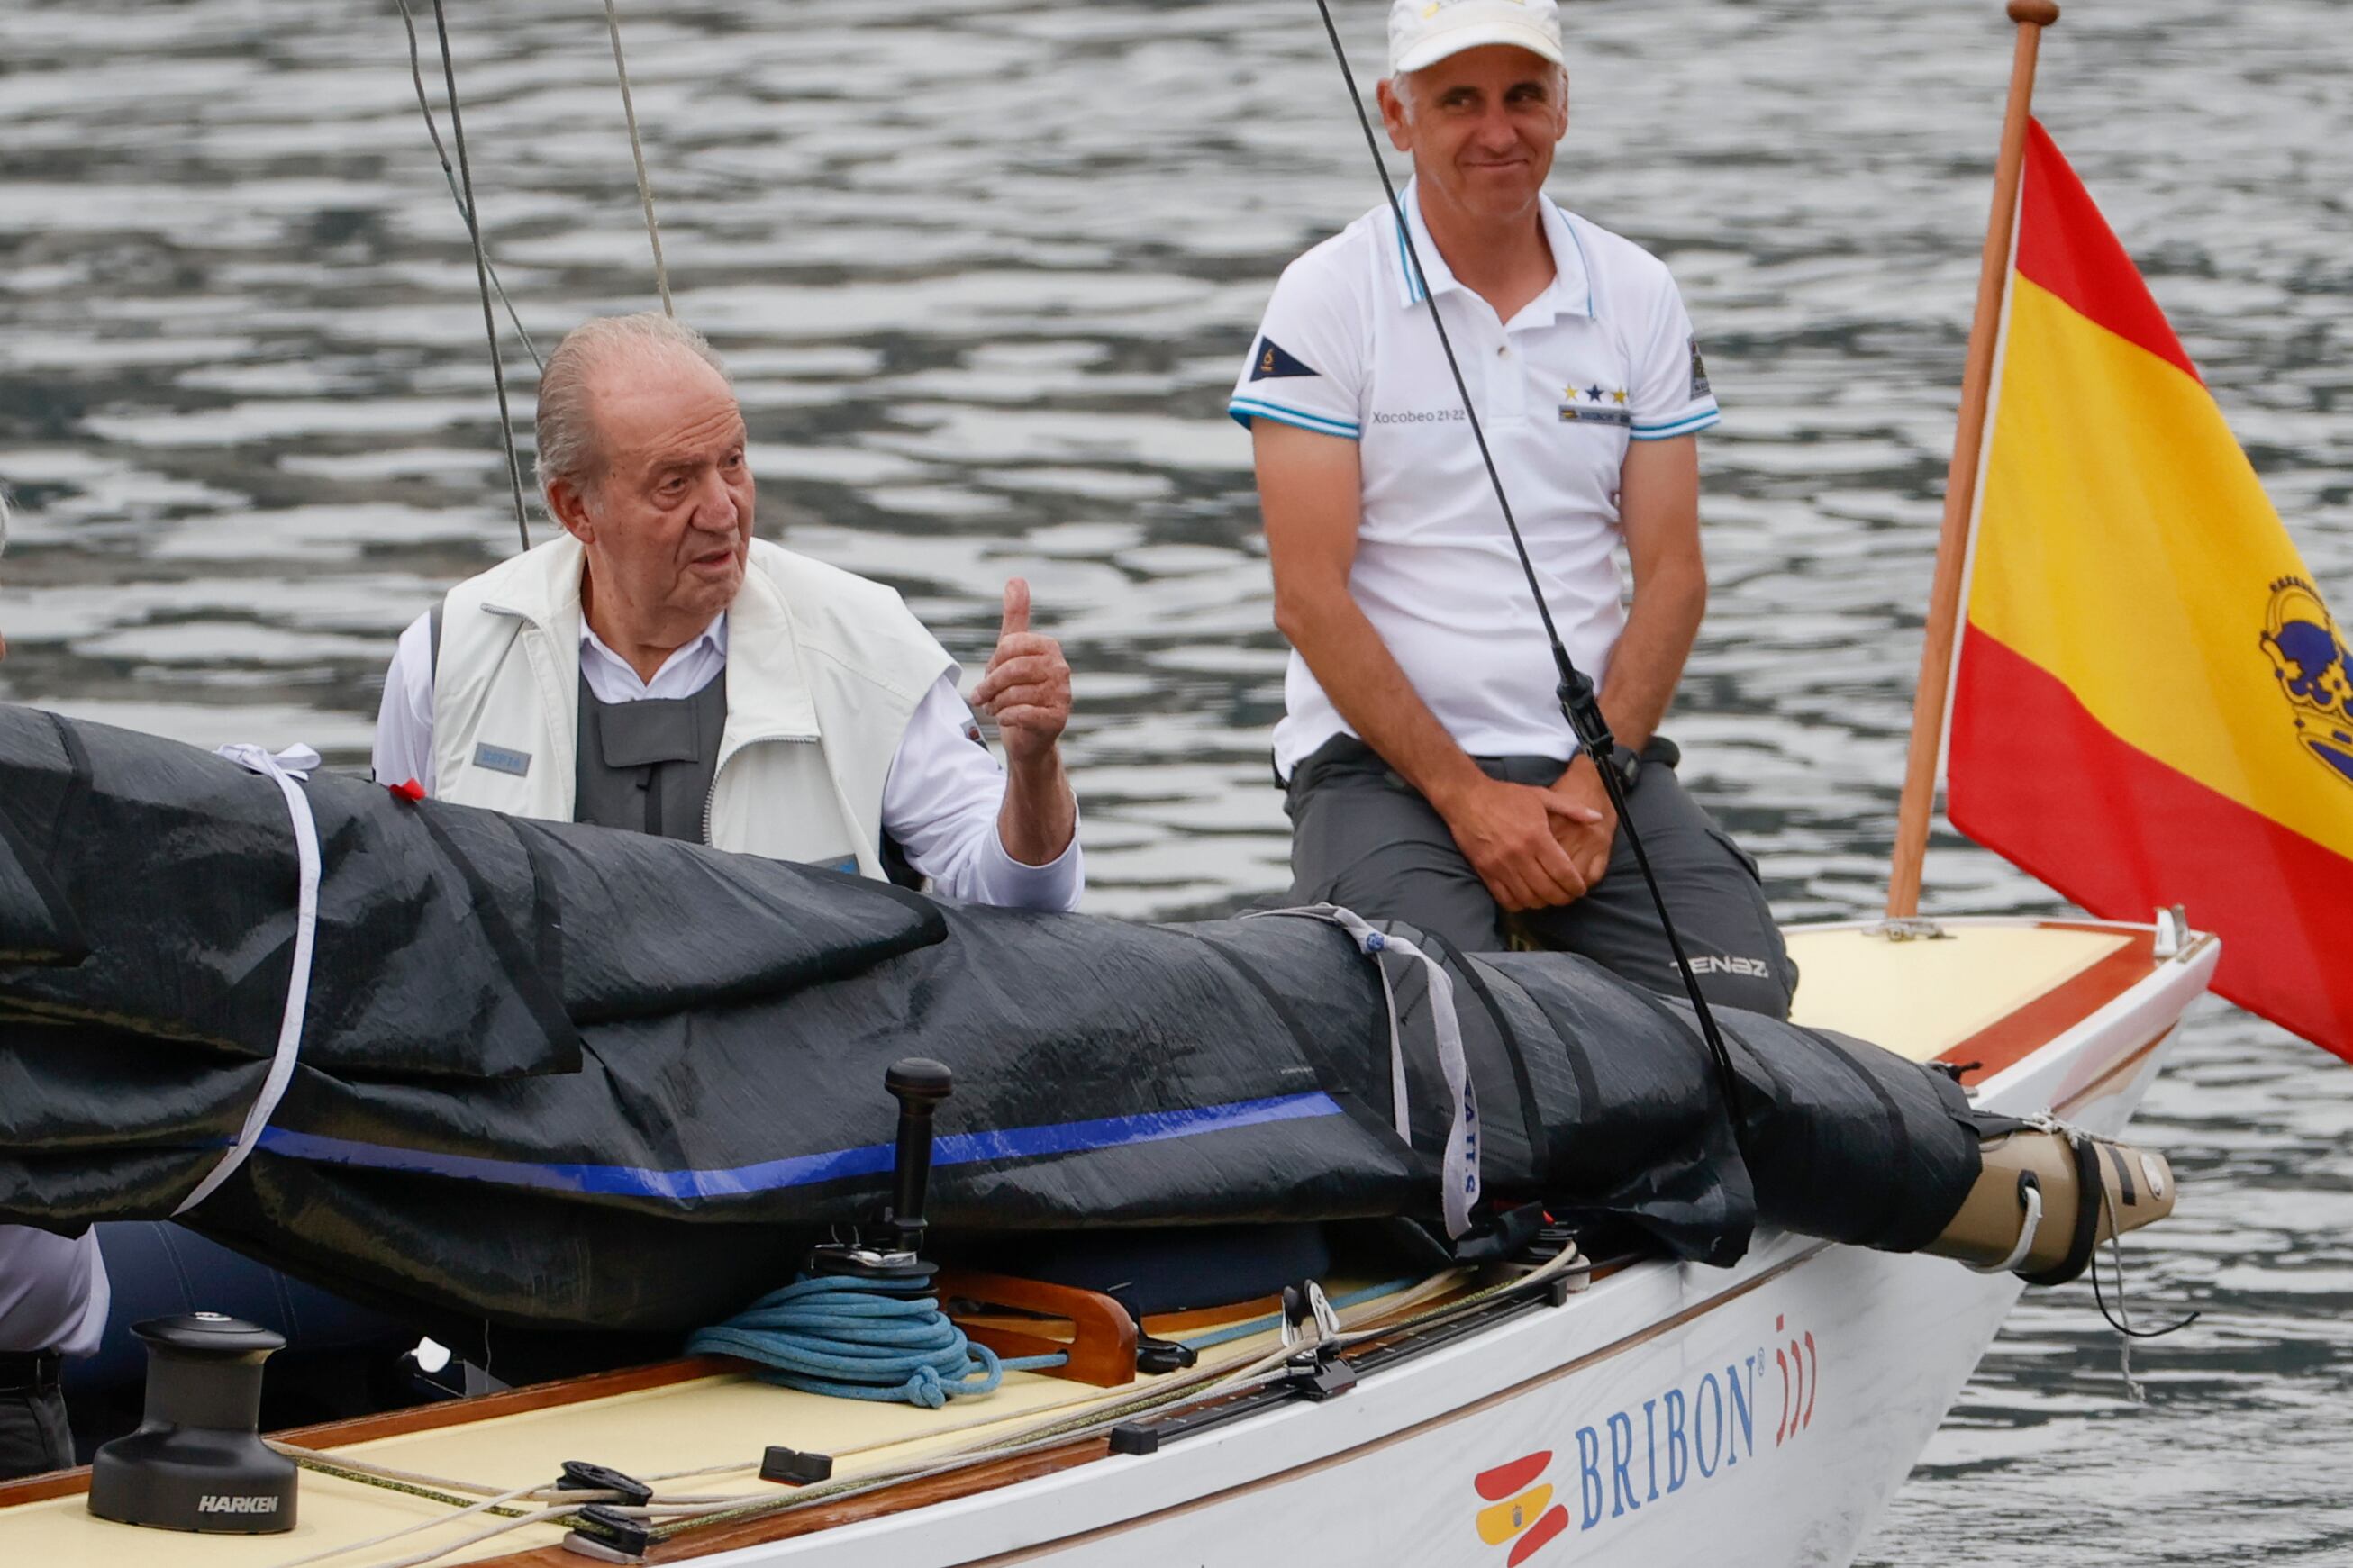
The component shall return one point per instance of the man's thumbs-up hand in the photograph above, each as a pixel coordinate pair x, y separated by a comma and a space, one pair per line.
1027, 687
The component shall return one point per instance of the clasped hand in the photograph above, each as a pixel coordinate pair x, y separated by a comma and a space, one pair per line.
1536, 846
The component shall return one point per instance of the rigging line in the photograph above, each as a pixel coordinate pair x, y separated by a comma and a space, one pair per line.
638, 153
482, 273
416, 75
1578, 703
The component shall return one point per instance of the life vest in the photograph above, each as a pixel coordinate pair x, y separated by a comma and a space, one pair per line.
824, 670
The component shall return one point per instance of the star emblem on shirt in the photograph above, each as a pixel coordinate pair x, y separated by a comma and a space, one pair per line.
1618, 397
1594, 393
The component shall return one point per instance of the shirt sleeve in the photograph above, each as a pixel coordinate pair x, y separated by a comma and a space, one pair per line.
404, 719
1672, 396
1306, 367
941, 802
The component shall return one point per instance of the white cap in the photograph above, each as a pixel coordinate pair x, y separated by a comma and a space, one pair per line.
1424, 31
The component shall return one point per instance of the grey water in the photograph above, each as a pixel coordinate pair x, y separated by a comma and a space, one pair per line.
985, 273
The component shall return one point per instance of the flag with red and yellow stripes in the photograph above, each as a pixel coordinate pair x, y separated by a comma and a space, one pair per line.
2152, 704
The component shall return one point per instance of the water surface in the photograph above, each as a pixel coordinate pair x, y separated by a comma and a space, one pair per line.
984, 274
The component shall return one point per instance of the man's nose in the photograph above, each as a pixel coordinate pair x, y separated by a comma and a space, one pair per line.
714, 503
1495, 128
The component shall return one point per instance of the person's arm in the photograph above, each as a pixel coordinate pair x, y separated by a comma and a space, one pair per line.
1659, 509
945, 802
1027, 689
404, 719
1309, 484
1658, 513
981, 833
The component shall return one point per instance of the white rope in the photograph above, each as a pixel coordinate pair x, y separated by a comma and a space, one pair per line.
2033, 1198
449, 174
481, 271
1095, 1413
283, 768
638, 153
1458, 1166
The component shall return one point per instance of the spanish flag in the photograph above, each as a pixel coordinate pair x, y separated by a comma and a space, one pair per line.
2152, 705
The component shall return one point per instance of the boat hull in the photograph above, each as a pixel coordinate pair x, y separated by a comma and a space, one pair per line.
1669, 1411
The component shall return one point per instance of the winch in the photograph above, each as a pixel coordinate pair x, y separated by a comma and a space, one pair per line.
197, 1461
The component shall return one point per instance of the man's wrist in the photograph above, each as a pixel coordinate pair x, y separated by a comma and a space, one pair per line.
1040, 814
1042, 772
1454, 784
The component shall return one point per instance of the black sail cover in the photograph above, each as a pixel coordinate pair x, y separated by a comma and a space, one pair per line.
562, 1076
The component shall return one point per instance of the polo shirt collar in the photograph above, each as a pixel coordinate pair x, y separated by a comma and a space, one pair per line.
1572, 284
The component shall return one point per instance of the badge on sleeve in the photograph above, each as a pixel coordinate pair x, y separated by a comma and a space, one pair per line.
1699, 372
1274, 362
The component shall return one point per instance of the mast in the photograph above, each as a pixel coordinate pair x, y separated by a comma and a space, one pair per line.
1961, 477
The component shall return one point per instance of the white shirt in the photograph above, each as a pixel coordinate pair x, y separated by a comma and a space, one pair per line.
940, 801
53, 1291
1603, 356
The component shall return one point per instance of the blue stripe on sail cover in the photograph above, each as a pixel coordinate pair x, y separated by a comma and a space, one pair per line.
802, 1170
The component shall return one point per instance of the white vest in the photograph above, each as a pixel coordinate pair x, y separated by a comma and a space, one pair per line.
824, 669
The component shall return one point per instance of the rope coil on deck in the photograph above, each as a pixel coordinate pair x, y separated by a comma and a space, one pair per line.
862, 1338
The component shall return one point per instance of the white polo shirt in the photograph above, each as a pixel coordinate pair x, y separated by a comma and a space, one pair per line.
1604, 356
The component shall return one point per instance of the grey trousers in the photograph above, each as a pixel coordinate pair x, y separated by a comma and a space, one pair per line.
1363, 838
33, 1435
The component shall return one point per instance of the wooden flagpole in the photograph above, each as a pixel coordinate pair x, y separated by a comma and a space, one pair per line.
1961, 477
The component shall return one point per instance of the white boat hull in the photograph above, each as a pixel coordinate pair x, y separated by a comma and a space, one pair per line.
1672, 1415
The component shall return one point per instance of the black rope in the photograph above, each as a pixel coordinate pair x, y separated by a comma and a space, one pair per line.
2119, 1317
1579, 704
481, 274
449, 174
2122, 1326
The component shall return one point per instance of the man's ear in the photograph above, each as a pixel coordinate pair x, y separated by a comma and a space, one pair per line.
1392, 104
571, 510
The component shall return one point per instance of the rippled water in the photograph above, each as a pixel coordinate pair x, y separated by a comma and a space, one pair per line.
984, 274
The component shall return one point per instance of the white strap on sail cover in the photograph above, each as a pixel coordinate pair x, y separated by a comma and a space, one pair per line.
283, 768
1458, 1166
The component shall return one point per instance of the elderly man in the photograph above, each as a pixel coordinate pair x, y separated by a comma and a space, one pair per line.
655, 668
1431, 776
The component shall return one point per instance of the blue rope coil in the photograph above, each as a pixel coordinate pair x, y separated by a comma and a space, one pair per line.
862, 1338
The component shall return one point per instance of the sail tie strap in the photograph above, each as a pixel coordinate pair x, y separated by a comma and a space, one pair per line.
862, 1338
283, 768
1458, 1166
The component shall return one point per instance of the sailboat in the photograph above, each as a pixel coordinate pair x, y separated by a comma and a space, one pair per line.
1647, 1408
